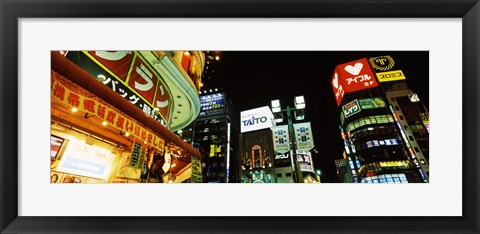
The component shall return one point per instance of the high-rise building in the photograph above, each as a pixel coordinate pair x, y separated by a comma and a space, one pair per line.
212, 134
409, 111
374, 144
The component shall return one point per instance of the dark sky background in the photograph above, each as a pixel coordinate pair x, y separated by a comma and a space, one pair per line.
253, 78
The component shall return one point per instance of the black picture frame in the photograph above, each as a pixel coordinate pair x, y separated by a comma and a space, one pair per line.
11, 11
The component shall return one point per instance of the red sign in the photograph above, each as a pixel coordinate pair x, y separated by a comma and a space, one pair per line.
143, 80
352, 76
337, 86
356, 75
117, 61
136, 75
162, 100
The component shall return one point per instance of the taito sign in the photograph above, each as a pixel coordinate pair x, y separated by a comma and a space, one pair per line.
352, 76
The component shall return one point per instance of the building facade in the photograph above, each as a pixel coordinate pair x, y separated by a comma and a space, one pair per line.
212, 134
374, 144
112, 113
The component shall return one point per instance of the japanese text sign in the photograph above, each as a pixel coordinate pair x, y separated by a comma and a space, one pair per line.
372, 103
131, 76
212, 104
351, 108
352, 76
337, 86
107, 114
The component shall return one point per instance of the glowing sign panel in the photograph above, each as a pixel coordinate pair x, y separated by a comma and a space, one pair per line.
351, 108
390, 76
212, 104
352, 76
256, 119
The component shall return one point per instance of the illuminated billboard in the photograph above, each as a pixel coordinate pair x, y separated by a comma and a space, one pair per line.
304, 159
212, 104
351, 108
131, 76
390, 76
283, 160
352, 76
382, 63
337, 87
384, 66
281, 141
303, 135
372, 103
86, 160
256, 119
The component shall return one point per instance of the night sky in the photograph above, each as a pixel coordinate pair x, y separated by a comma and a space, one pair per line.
254, 78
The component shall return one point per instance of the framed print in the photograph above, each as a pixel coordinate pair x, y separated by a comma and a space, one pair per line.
113, 190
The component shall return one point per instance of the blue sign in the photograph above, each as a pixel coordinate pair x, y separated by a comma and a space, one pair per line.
212, 104
81, 165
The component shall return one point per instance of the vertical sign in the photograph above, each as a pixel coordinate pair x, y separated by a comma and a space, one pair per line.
281, 142
303, 135
305, 161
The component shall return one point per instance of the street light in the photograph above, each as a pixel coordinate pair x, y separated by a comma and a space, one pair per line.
299, 115
318, 173
277, 111
299, 102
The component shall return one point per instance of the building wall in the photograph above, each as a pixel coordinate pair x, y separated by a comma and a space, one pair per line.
284, 175
257, 156
412, 124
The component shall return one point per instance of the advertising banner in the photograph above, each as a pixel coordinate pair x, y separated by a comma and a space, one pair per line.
283, 160
390, 76
196, 170
138, 153
86, 160
303, 135
384, 65
351, 108
356, 75
337, 87
281, 140
305, 161
212, 104
112, 117
133, 78
372, 103
425, 120
256, 119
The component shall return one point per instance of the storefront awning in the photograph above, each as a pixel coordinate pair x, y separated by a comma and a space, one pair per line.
82, 78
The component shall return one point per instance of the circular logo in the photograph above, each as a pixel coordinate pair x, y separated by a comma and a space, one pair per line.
382, 63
